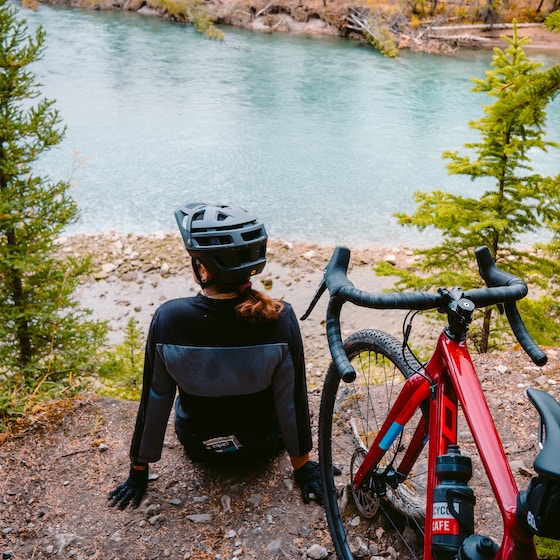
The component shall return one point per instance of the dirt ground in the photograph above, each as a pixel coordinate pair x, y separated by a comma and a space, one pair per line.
55, 475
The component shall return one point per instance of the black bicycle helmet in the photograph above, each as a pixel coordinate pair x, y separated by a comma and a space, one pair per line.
229, 241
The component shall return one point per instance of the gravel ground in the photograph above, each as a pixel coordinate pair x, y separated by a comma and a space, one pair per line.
56, 473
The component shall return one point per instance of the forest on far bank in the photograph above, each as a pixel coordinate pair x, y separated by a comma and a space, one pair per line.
387, 24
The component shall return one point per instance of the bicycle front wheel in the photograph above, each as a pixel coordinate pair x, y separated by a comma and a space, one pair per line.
386, 518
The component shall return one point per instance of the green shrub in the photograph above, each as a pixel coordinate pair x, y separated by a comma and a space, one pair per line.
120, 375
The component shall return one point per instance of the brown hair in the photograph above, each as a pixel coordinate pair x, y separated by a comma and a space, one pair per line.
257, 307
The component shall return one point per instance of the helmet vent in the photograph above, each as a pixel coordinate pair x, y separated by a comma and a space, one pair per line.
251, 235
214, 240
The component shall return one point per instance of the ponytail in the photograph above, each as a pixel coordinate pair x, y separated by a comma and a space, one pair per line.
258, 308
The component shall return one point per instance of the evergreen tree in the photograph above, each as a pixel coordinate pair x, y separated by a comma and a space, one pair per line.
552, 21
45, 339
521, 200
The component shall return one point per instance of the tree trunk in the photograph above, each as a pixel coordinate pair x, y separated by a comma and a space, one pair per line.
485, 334
15, 287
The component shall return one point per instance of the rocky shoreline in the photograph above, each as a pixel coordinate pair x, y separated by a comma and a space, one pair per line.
133, 274
349, 19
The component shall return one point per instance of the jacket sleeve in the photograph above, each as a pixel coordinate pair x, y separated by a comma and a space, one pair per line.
156, 401
301, 405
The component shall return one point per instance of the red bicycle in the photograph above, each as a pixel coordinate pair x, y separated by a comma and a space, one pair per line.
398, 497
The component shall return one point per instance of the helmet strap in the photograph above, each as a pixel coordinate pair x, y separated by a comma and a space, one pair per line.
195, 266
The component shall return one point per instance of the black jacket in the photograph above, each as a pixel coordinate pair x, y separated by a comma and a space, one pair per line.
232, 377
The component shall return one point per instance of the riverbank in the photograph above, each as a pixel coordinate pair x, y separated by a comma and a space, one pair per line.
133, 274
345, 18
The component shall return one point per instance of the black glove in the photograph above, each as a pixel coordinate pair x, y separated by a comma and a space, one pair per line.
308, 478
133, 489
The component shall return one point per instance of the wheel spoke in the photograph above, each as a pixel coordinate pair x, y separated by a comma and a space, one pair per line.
385, 516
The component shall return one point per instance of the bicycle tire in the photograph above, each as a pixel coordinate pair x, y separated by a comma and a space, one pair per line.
362, 523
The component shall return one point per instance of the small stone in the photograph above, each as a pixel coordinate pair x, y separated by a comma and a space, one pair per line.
152, 509
174, 502
160, 518
226, 503
541, 380
391, 259
274, 546
317, 552
254, 500
200, 517
518, 466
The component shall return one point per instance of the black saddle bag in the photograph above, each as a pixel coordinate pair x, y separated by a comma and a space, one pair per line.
538, 507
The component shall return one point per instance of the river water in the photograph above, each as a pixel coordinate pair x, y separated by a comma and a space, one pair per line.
324, 139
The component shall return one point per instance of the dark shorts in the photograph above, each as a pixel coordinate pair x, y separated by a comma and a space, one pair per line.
235, 447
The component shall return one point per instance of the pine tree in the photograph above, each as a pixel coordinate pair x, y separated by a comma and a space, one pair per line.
520, 201
45, 339
552, 21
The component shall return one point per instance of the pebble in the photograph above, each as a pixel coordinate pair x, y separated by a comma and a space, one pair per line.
159, 518
316, 552
152, 509
254, 500
226, 503
391, 259
274, 546
541, 380
200, 517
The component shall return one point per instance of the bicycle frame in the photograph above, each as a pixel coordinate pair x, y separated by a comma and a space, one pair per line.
449, 380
